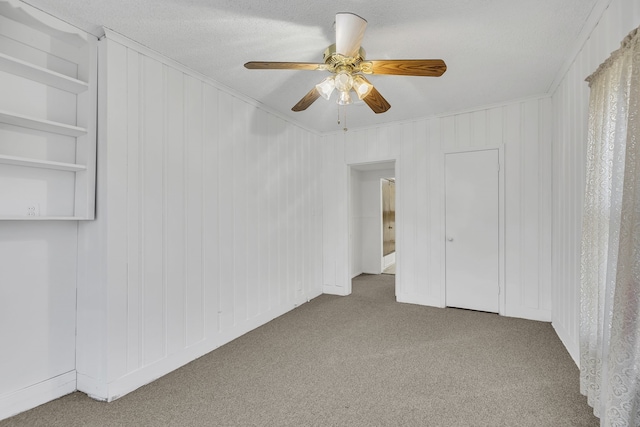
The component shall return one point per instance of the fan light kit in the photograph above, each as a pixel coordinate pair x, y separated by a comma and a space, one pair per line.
346, 60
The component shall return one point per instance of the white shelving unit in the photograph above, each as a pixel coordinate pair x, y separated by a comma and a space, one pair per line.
44, 164
39, 124
42, 75
48, 78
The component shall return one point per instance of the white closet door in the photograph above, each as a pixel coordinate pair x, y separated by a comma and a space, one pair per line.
472, 221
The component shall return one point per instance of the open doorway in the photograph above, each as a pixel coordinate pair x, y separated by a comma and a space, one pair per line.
388, 194
367, 249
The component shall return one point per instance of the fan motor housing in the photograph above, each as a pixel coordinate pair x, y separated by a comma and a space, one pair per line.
336, 61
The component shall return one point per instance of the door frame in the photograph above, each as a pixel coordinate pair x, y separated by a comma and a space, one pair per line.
355, 166
501, 223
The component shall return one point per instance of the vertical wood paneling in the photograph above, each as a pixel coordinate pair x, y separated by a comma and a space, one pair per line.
530, 165
273, 180
225, 211
406, 221
153, 141
495, 127
448, 133
298, 228
118, 333
263, 190
253, 220
418, 148
463, 134
436, 225
570, 104
545, 143
479, 126
317, 218
283, 215
175, 200
211, 224
213, 230
193, 134
513, 210
422, 212
239, 212
134, 160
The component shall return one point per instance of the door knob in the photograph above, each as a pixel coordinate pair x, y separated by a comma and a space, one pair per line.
450, 239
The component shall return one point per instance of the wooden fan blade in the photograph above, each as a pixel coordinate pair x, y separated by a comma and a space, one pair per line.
405, 67
307, 100
257, 65
376, 102
349, 33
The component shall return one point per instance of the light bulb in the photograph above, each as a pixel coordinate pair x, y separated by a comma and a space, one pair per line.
325, 87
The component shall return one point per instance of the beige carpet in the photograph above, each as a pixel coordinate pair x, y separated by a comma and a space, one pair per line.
361, 360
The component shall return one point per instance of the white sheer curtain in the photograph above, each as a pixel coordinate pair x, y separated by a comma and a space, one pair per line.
610, 275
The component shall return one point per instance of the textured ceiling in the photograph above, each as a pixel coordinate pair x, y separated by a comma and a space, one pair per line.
495, 50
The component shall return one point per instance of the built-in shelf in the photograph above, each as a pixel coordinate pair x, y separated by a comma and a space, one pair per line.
41, 218
43, 164
48, 88
43, 75
39, 124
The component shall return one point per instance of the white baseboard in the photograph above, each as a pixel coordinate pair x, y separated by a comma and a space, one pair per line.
387, 260
418, 299
572, 347
334, 290
29, 397
529, 313
134, 380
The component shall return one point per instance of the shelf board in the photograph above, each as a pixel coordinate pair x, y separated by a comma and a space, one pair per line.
39, 124
43, 75
43, 164
41, 218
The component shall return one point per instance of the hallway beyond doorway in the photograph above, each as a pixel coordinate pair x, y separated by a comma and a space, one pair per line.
390, 269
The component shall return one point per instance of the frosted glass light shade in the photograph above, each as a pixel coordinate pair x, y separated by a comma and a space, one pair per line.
361, 86
325, 87
344, 98
344, 81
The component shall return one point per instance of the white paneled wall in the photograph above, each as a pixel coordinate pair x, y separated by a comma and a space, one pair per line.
209, 222
37, 312
355, 224
522, 128
570, 106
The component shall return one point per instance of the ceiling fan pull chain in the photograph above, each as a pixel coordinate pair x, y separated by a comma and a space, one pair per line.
344, 112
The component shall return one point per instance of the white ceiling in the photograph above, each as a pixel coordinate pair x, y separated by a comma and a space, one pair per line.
495, 50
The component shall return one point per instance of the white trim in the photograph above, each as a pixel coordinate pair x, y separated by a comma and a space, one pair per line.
591, 23
27, 398
571, 346
418, 299
396, 166
44, 21
98, 390
446, 114
501, 225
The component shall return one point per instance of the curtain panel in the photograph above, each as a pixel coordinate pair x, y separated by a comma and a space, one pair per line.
610, 259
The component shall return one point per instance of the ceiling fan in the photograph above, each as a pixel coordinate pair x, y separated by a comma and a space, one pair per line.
346, 61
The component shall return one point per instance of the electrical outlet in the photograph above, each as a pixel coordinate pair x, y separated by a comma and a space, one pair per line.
33, 209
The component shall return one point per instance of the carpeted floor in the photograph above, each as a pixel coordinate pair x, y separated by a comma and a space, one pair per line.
361, 360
